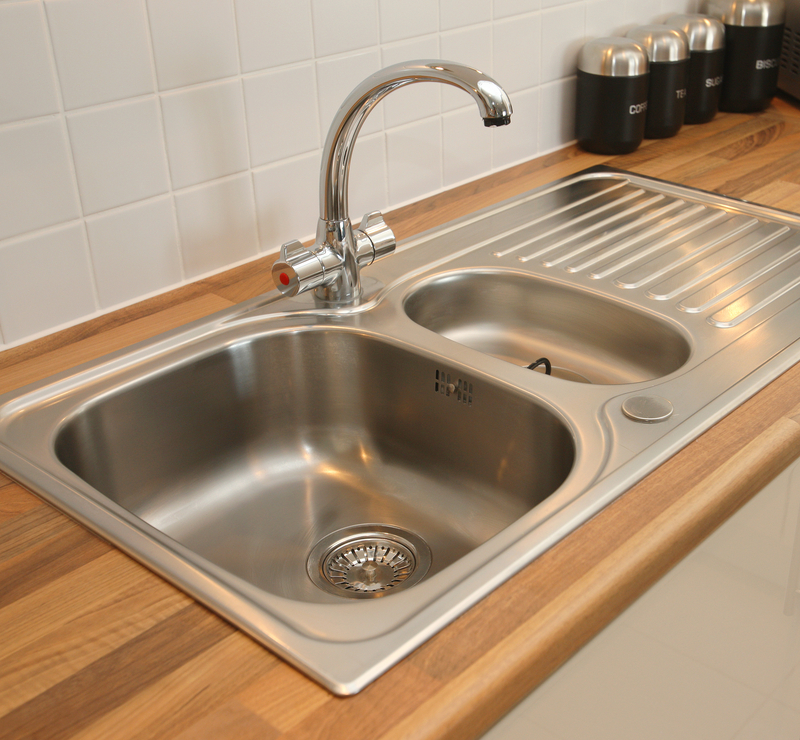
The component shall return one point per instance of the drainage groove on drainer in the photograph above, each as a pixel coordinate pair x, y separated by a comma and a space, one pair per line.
368, 560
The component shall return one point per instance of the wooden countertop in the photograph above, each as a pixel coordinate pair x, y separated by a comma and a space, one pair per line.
95, 646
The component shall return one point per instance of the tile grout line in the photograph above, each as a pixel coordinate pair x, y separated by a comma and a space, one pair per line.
62, 115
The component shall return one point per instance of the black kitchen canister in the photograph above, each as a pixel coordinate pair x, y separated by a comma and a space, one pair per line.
706, 38
753, 40
668, 53
612, 95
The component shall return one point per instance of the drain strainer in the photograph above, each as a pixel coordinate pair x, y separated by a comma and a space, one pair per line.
368, 560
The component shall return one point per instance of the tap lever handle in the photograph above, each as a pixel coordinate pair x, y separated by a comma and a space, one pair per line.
297, 269
374, 239
291, 248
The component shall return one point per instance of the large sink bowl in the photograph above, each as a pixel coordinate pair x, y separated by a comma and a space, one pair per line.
252, 454
519, 318
341, 483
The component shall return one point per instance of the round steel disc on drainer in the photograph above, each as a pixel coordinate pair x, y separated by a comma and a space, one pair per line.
368, 560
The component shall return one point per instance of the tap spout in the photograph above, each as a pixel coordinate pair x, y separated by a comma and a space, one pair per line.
331, 267
492, 101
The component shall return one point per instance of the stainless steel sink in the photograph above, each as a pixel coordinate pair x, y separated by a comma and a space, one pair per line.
341, 483
253, 453
519, 318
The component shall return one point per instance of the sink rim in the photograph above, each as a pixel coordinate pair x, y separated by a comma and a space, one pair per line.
630, 450
245, 605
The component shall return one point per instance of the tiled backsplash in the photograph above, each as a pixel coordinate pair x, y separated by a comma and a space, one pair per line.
146, 142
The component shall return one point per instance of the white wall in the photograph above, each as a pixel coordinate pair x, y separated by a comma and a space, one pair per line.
144, 143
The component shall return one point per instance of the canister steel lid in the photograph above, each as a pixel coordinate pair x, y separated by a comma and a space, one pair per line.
747, 12
704, 33
615, 56
662, 43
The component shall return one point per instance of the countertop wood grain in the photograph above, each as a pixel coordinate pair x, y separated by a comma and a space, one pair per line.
93, 645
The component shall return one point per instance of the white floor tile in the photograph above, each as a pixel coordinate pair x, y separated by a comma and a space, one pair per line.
772, 722
788, 692
626, 686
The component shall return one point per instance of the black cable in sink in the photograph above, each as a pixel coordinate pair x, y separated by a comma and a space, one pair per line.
548, 368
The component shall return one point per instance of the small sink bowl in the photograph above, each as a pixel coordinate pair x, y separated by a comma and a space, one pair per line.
519, 318
251, 455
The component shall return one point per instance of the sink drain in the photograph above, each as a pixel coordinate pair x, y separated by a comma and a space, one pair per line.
368, 560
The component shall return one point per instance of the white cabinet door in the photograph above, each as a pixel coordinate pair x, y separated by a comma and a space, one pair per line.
712, 651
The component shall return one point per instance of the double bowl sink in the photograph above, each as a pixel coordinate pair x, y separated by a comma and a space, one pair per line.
342, 483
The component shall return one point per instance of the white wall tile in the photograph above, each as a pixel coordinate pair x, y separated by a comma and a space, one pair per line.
337, 77
27, 78
643, 11
562, 38
470, 46
45, 280
516, 52
287, 201
282, 115
119, 154
557, 114
459, 13
414, 156
344, 25
417, 101
206, 132
606, 18
193, 41
309, 54
368, 190
134, 251
101, 48
272, 33
519, 140
466, 146
217, 224
37, 188
506, 8
408, 19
